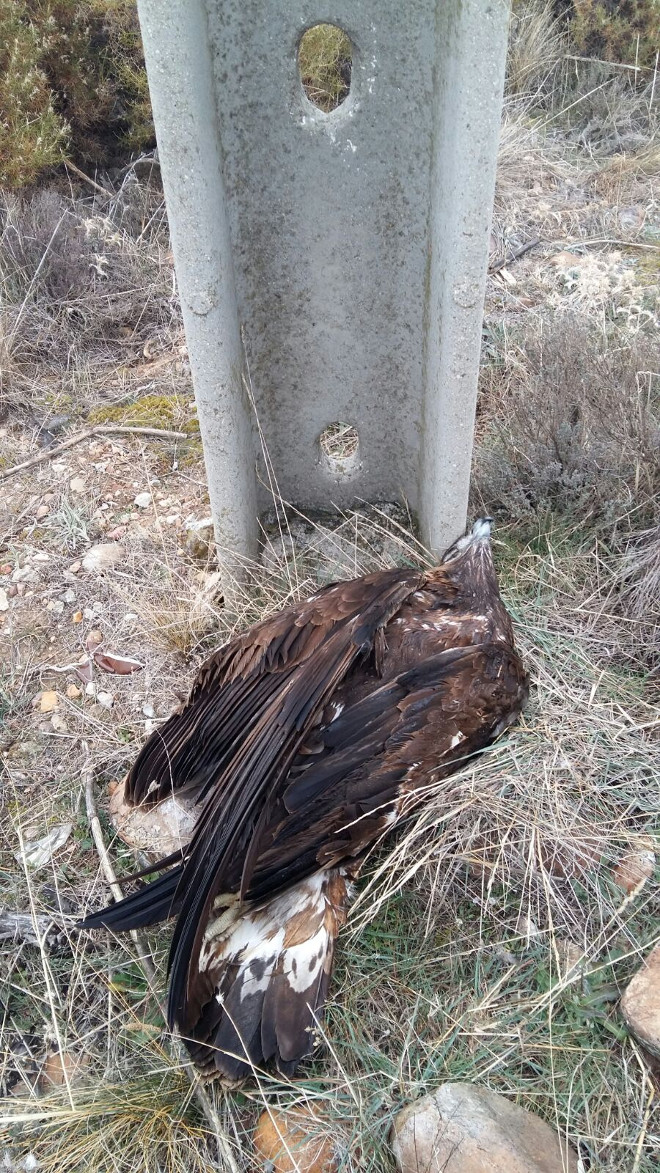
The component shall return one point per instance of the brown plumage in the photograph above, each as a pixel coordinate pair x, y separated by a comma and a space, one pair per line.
298, 744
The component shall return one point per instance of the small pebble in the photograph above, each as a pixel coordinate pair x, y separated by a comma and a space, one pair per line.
77, 617
4, 601
56, 606
73, 692
90, 689
75, 567
105, 699
49, 701
58, 724
143, 500
42, 511
69, 596
77, 485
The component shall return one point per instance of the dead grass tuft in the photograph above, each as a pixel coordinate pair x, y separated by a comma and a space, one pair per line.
576, 428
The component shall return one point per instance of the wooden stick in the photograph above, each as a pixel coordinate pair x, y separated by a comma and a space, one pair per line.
99, 430
92, 182
23, 926
146, 964
519, 252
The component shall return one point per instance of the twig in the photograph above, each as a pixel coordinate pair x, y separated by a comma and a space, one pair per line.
99, 430
92, 182
147, 966
23, 926
514, 256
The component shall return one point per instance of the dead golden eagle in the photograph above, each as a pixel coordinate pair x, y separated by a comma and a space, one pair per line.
299, 743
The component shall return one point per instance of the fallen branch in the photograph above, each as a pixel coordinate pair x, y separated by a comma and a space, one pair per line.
149, 971
99, 430
23, 926
92, 182
514, 256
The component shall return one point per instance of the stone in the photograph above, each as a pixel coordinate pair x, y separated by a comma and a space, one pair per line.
103, 557
199, 536
143, 500
105, 699
77, 485
464, 1128
73, 692
294, 1142
640, 1004
42, 512
160, 829
49, 701
4, 601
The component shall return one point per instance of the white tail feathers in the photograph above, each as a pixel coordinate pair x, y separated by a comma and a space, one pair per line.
267, 968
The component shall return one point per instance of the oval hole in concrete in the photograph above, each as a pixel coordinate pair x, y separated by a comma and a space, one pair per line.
340, 447
325, 57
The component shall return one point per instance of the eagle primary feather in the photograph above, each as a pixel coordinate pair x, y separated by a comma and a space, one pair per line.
298, 745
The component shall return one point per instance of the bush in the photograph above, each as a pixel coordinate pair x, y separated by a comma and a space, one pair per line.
627, 31
576, 429
73, 79
32, 134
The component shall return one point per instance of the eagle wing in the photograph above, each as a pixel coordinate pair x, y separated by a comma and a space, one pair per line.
248, 715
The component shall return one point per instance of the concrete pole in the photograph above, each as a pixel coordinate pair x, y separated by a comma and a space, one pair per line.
178, 62
468, 110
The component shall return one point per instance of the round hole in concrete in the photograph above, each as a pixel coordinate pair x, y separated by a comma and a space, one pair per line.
325, 58
340, 447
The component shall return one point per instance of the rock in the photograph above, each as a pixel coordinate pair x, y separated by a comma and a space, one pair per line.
56, 606
143, 500
58, 724
199, 536
75, 567
635, 867
293, 1142
464, 1128
26, 574
77, 617
49, 701
160, 829
4, 601
640, 1004
42, 512
90, 688
73, 692
69, 596
103, 557
77, 485
105, 699
117, 533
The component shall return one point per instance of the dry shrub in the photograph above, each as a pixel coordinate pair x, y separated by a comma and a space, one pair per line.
537, 43
82, 280
576, 429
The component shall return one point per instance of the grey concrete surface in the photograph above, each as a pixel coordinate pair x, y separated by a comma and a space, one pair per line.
349, 247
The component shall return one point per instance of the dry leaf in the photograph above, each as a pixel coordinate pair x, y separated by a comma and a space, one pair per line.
62, 1067
49, 701
84, 669
117, 665
38, 852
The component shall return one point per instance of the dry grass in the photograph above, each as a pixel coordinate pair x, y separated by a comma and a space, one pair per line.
490, 939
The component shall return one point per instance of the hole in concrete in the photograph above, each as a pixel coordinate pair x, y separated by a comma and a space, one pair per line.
340, 447
325, 57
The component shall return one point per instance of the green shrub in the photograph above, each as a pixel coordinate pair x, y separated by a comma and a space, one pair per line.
32, 135
72, 79
627, 31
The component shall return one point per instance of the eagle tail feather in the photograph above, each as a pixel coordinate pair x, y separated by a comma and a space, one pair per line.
264, 969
